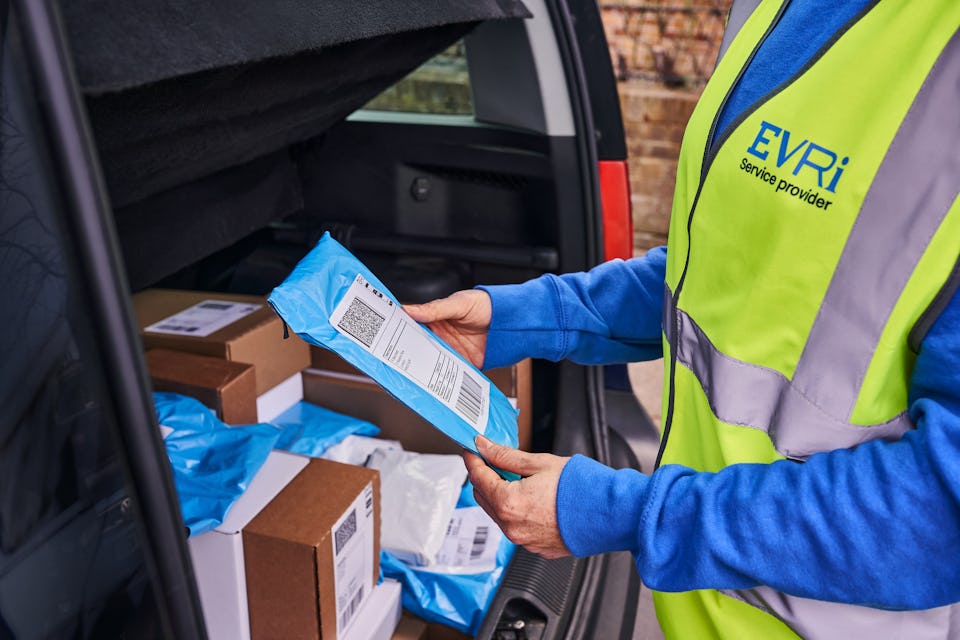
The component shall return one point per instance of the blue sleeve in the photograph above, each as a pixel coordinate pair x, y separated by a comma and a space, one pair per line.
877, 525
611, 313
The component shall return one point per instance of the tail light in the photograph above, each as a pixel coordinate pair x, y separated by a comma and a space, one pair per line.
617, 215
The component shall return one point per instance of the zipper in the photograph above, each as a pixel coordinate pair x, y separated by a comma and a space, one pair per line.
709, 153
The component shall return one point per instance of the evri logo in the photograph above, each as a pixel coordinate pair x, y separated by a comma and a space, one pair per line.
812, 155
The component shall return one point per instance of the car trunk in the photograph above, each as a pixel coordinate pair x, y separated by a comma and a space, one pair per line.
227, 151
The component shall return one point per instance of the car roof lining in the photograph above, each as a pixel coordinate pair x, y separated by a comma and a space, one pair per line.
178, 90
121, 44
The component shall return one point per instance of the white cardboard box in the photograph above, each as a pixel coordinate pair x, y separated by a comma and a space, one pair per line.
275, 401
379, 616
218, 554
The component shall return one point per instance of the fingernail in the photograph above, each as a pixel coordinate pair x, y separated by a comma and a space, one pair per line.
483, 443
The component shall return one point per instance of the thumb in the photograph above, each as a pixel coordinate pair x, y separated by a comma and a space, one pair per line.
427, 312
508, 459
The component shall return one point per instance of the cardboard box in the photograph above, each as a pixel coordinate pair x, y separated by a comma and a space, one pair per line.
363, 398
280, 398
234, 327
410, 628
217, 555
229, 388
312, 554
380, 614
413, 628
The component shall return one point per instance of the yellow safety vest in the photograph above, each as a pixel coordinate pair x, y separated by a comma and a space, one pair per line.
805, 244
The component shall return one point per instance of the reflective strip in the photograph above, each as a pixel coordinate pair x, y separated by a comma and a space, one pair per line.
739, 12
890, 235
750, 395
811, 413
819, 620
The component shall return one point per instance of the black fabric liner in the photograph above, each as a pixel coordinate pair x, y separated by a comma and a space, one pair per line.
163, 234
119, 44
179, 89
162, 135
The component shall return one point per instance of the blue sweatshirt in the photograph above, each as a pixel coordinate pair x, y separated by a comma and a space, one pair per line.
878, 525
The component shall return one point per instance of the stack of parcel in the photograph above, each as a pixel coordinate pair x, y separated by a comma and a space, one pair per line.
199, 112
307, 527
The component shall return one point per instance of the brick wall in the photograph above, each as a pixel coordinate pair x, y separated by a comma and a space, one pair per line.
663, 52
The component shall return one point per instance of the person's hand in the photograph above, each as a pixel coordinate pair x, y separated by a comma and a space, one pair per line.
525, 510
461, 320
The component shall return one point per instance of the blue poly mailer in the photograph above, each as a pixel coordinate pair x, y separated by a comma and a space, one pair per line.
333, 301
453, 599
310, 430
212, 463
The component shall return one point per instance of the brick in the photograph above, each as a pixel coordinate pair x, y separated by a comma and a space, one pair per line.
644, 241
614, 22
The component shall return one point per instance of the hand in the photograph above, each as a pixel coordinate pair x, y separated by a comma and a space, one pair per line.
461, 320
525, 510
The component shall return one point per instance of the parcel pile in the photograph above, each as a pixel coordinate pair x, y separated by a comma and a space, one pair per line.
315, 501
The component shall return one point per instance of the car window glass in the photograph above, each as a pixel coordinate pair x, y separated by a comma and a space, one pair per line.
440, 86
72, 562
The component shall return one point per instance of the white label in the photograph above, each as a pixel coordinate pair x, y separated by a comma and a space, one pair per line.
165, 431
373, 321
353, 557
203, 318
470, 545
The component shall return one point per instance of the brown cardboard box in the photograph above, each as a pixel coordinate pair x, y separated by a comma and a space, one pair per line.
229, 388
410, 628
217, 555
363, 398
312, 554
442, 632
413, 628
256, 338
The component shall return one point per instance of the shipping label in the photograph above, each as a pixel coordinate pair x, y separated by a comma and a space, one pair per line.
203, 318
471, 543
353, 558
373, 321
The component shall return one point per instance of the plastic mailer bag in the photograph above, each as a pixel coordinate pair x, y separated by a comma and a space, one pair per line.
212, 463
457, 596
419, 493
332, 300
310, 430
356, 450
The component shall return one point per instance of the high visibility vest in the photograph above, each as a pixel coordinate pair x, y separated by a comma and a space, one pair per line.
806, 243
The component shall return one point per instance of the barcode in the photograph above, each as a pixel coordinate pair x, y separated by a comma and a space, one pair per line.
479, 542
221, 306
351, 608
361, 322
469, 400
175, 327
346, 531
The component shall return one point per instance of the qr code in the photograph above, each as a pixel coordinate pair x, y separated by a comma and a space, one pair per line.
346, 531
361, 322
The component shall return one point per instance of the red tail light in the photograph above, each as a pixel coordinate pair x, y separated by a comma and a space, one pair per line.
617, 216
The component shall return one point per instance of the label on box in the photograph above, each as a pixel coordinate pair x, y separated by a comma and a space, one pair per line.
203, 318
353, 557
470, 545
376, 323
